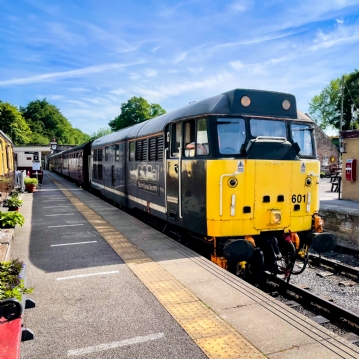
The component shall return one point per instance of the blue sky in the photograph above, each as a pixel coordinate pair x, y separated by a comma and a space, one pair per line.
89, 56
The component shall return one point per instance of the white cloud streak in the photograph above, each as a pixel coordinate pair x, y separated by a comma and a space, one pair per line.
67, 74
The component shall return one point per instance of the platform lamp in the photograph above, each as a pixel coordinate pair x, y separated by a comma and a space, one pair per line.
53, 144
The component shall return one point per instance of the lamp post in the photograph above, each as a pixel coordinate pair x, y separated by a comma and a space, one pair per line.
53, 144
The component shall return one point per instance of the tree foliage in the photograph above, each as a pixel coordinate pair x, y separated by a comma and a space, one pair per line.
46, 121
135, 110
13, 124
101, 132
325, 108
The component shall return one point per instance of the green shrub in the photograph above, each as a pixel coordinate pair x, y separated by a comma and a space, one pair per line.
11, 219
14, 202
11, 284
29, 180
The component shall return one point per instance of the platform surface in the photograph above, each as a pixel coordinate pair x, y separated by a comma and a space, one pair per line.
109, 286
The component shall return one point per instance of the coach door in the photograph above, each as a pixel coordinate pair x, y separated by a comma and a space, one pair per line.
173, 172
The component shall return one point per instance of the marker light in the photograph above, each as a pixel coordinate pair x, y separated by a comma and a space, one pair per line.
275, 216
245, 101
286, 105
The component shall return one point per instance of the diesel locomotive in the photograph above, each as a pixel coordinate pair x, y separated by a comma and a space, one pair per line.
7, 168
238, 171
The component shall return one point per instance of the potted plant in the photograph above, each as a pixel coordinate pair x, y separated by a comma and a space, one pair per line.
11, 219
31, 184
14, 203
11, 281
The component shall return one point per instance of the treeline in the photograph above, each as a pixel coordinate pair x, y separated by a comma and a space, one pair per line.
326, 108
40, 121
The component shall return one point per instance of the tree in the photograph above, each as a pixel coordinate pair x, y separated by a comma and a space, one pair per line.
13, 124
325, 108
135, 110
101, 132
47, 121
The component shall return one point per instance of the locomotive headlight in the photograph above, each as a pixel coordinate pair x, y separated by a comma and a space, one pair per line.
275, 216
245, 101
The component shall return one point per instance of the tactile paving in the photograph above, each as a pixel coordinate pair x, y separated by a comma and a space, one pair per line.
215, 337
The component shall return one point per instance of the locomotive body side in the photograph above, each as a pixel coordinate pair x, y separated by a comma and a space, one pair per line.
238, 170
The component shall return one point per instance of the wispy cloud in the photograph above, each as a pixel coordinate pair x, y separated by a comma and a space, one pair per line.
72, 73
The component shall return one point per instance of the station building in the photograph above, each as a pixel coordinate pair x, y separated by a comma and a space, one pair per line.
350, 157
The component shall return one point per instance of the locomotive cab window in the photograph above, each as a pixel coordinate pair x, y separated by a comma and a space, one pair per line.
231, 135
268, 128
189, 138
176, 139
202, 137
303, 135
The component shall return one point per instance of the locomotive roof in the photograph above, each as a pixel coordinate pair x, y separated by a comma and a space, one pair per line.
263, 103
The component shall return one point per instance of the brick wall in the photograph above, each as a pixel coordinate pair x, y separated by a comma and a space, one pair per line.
350, 189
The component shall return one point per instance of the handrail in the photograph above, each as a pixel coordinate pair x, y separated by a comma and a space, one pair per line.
180, 183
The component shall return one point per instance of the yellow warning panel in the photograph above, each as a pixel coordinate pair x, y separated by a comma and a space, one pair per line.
216, 338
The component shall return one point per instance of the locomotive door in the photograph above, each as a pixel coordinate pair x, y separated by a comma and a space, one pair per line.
173, 172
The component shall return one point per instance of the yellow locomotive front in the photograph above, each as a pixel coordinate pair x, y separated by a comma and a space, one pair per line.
263, 193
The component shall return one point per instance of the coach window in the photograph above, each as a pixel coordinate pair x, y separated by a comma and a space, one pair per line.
132, 151
231, 135
302, 134
176, 139
106, 153
117, 153
189, 138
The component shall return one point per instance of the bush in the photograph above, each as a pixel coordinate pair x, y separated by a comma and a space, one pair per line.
29, 180
14, 202
11, 219
11, 284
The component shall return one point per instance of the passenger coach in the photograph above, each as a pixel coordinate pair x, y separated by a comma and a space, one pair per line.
238, 170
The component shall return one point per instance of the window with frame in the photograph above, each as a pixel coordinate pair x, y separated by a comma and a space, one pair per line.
302, 134
106, 153
132, 150
95, 152
117, 153
189, 138
202, 138
176, 139
231, 135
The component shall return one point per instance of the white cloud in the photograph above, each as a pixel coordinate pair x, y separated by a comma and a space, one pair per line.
71, 73
241, 5
134, 76
150, 72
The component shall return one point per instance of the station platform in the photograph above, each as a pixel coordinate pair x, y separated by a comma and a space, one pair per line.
108, 286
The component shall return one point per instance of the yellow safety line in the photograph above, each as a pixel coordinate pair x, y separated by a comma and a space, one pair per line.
216, 338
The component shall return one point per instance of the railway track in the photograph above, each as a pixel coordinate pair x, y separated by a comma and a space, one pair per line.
341, 260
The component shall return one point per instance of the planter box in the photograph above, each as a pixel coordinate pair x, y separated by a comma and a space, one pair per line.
12, 331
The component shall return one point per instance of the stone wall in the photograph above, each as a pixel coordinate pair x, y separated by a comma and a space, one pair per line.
344, 225
326, 150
